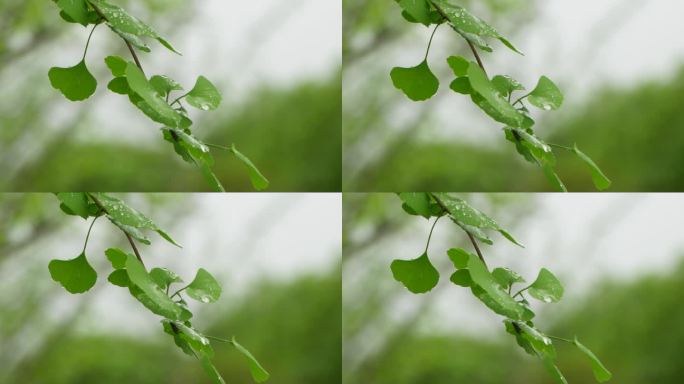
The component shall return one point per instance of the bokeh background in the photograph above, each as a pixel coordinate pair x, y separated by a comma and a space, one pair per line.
277, 64
277, 257
619, 256
619, 63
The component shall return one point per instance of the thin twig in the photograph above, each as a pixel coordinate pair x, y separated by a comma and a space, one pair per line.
477, 55
128, 44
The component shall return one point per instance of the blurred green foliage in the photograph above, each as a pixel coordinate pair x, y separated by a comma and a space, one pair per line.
294, 328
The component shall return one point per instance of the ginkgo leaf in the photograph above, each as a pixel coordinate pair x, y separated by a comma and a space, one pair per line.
485, 88
419, 10
117, 257
119, 278
418, 83
164, 277
128, 25
259, 374
117, 65
75, 275
77, 10
484, 279
204, 287
462, 86
418, 275
546, 95
506, 85
139, 84
546, 287
76, 83
77, 202
601, 373
601, 181
142, 280
164, 84
128, 217
259, 181
418, 202
470, 26
204, 95
506, 277
462, 278
459, 257
459, 65
119, 85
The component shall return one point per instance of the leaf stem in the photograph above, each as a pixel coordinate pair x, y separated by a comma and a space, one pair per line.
522, 290
560, 339
477, 55
178, 99
88, 234
88, 42
179, 291
430, 42
521, 98
128, 236
219, 339
561, 147
430, 235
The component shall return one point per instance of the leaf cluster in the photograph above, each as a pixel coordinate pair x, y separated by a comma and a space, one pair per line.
152, 96
493, 288
495, 95
151, 288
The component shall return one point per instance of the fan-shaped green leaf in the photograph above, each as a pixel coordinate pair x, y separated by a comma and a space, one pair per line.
484, 87
75, 275
164, 277
76, 83
142, 87
259, 181
506, 277
462, 278
204, 95
459, 65
77, 202
204, 287
506, 85
485, 280
77, 10
259, 374
546, 95
419, 10
128, 25
600, 180
601, 373
164, 84
119, 278
418, 83
117, 257
142, 280
117, 65
462, 86
418, 275
546, 287
459, 257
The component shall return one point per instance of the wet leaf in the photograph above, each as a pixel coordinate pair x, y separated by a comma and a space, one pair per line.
164, 277
506, 277
127, 217
546, 287
418, 202
77, 10
128, 25
485, 280
204, 95
418, 275
469, 217
75, 275
259, 181
546, 95
600, 180
485, 88
164, 84
142, 280
259, 374
470, 26
204, 287
418, 83
601, 373
139, 84
506, 85
76, 83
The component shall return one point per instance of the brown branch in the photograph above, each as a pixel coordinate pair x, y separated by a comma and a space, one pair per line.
128, 236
